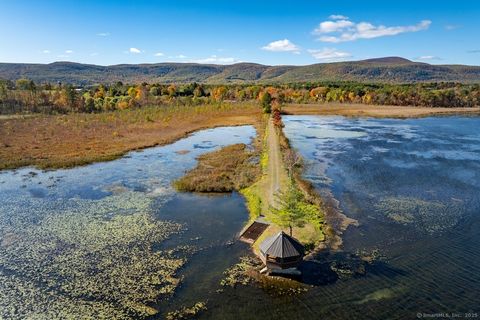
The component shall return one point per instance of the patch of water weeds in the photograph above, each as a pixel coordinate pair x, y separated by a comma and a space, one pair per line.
429, 216
247, 272
187, 312
84, 258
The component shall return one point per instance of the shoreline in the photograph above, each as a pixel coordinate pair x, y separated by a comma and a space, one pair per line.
374, 111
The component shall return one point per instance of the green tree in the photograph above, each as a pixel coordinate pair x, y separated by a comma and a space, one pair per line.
25, 84
71, 96
89, 103
3, 90
293, 210
266, 102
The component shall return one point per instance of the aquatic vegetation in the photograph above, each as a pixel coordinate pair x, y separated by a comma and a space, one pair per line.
278, 286
93, 258
241, 273
430, 216
382, 294
349, 267
187, 312
246, 272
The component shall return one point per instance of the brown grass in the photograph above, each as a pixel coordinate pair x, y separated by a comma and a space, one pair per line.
230, 168
352, 110
78, 139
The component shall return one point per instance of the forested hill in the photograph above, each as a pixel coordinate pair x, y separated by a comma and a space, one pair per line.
390, 69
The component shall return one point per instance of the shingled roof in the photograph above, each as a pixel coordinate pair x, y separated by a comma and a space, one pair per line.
282, 246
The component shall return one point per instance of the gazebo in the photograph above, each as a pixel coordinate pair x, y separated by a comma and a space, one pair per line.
281, 252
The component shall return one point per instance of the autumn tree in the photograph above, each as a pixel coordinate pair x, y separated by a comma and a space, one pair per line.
219, 93
172, 90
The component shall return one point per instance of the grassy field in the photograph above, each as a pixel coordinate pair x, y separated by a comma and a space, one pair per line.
76, 139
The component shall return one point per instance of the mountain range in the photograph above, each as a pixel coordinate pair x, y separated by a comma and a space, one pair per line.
388, 69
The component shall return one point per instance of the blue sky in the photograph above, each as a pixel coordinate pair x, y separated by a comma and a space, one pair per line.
268, 32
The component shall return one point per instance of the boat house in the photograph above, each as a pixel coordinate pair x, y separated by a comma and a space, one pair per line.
281, 252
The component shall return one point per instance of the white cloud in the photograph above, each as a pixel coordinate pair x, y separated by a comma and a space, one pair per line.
450, 27
329, 54
134, 50
103, 34
428, 58
333, 26
46, 51
180, 56
68, 51
282, 46
159, 54
217, 60
335, 31
338, 17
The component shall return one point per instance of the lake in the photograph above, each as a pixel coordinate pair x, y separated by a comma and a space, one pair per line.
101, 239
413, 186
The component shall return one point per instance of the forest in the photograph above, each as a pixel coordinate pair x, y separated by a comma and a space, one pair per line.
26, 96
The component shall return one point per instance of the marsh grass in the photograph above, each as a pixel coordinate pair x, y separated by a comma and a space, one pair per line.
231, 168
59, 141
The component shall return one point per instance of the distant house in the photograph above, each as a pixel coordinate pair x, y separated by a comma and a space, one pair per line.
281, 252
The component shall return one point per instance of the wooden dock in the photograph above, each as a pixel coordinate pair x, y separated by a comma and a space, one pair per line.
253, 232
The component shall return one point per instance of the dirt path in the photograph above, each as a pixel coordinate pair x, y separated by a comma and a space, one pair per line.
275, 164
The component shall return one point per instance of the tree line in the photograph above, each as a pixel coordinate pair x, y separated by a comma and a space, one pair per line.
24, 95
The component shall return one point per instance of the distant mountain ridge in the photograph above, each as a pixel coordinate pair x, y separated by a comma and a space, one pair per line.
387, 69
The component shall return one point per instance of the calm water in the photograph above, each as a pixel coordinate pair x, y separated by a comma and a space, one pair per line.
414, 187
52, 224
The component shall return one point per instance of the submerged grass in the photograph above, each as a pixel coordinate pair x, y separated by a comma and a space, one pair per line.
247, 272
84, 258
429, 216
187, 312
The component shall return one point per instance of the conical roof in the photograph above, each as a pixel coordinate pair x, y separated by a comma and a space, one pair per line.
282, 246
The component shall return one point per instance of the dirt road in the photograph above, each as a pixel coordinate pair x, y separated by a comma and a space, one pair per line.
276, 171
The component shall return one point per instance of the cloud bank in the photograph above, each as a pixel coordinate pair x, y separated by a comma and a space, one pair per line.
342, 29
